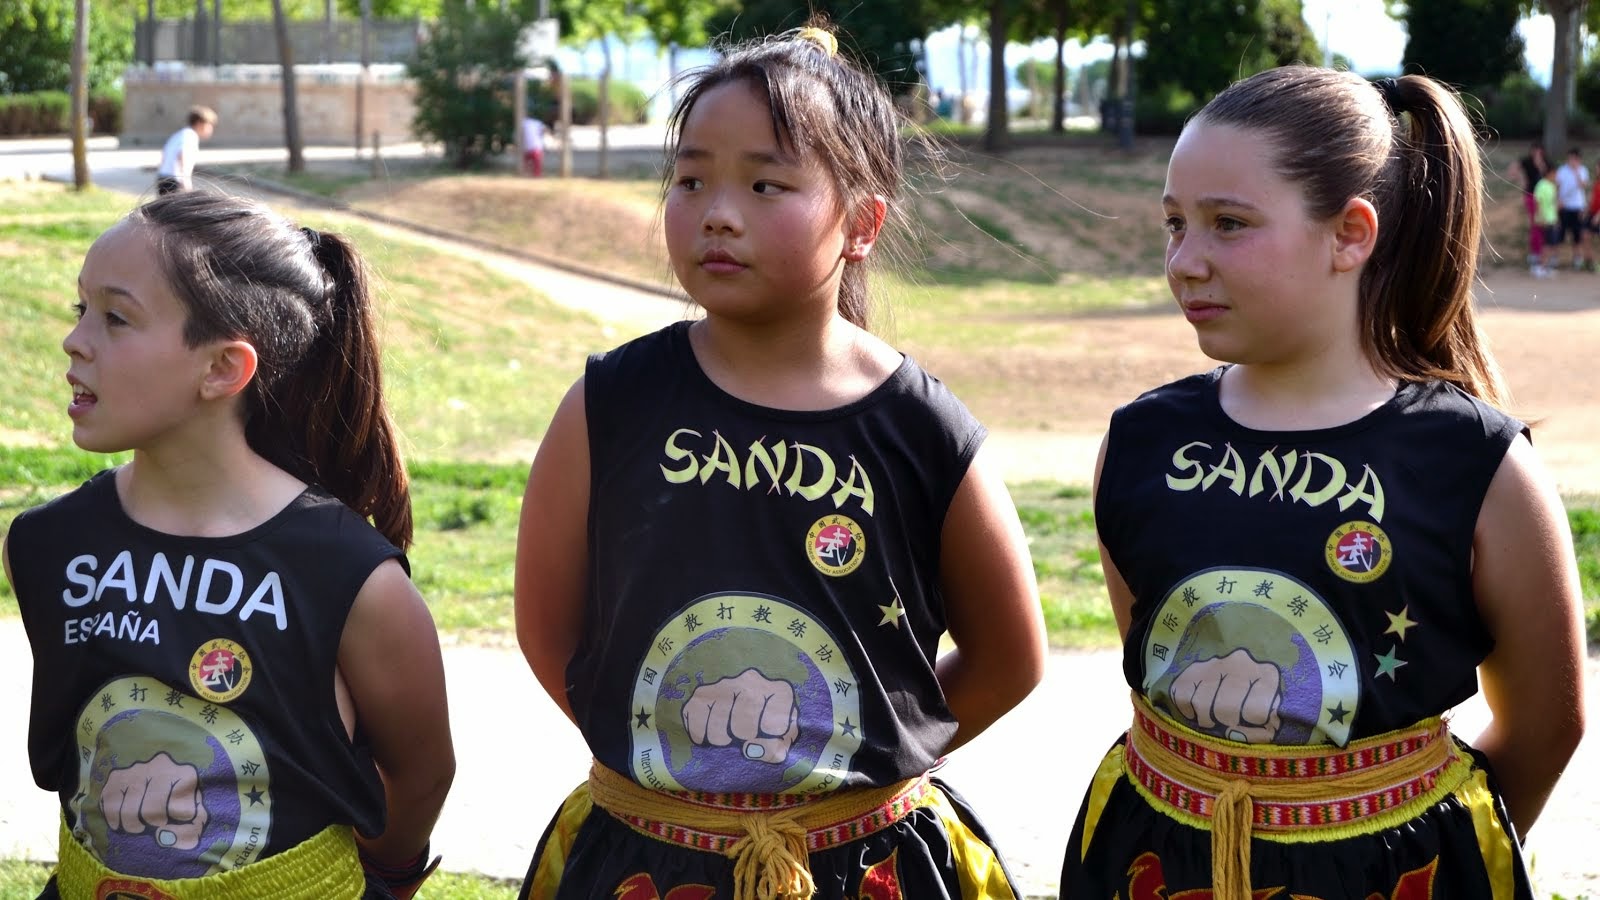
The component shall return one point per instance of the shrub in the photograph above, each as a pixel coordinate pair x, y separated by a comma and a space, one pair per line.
628, 104
1163, 110
42, 112
1513, 108
106, 111
463, 95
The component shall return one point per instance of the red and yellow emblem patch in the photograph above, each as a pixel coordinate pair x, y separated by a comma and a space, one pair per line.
836, 545
220, 670
1359, 551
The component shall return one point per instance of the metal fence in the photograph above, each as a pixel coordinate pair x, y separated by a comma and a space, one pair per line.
204, 41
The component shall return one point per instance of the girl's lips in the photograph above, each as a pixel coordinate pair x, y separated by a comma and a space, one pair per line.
722, 266
1202, 312
83, 399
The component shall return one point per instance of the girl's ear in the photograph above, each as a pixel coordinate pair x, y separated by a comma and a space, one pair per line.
232, 365
861, 232
1355, 233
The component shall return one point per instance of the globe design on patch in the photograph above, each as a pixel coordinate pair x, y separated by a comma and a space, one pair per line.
135, 736
705, 661
1302, 680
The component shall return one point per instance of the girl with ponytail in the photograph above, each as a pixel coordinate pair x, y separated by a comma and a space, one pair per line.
215, 624
1319, 548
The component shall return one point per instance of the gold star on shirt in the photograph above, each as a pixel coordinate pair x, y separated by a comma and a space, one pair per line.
1399, 622
892, 613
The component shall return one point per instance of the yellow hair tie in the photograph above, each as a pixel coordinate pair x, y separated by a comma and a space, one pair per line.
822, 38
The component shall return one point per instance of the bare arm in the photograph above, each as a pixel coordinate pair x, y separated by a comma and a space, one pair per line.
1116, 587
553, 548
401, 707
1525, 578
991, 606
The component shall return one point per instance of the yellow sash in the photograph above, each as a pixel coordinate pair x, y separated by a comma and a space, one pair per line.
769, 838
323, 867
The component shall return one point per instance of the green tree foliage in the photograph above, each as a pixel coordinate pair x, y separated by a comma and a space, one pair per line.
461, 73
1463, 42
884, 34
1202, 46
36, 47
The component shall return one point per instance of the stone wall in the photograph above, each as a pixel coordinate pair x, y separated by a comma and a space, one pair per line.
249, 104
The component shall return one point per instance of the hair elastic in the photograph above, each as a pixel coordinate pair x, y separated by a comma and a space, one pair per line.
311, 235
822, 38
1389, 90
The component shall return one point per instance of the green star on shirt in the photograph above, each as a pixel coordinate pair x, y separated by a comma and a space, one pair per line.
1388, 663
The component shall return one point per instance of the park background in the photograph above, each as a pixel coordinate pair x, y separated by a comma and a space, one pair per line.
1034, 290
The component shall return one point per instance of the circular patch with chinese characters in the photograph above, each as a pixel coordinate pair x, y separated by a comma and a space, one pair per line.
1359, 551
219, 670
836, 545
169, 785
744, 693
1252, 655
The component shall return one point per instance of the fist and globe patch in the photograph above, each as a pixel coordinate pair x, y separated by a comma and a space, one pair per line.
172, 785
1252, 655
744, 692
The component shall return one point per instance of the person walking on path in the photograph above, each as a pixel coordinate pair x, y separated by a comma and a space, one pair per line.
533, 132
743, 538
182, 151
1379, 536
238, 726
1572, 195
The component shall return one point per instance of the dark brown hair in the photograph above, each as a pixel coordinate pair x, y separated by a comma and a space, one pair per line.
822, 103
1407, 146
315, 407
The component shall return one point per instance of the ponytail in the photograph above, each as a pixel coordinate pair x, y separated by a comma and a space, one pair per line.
327, 416
1416, 291
315, 406
1406, 145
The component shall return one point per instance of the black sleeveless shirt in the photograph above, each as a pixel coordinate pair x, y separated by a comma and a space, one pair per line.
763, 608
1300, 587
183, 702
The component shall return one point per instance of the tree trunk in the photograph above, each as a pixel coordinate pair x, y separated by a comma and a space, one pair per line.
1058, 112
961, 76
150, 33
1125, 120
997, 134
291, 110
80, 95
327, 32
361, 76
216, 32
604, 111
1557, 101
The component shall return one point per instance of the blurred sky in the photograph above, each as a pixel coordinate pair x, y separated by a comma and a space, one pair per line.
1358, 29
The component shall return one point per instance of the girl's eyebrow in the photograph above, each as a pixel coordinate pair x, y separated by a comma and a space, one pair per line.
1214, 201
760, 157
113, 290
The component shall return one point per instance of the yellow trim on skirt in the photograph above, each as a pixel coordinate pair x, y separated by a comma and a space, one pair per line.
322, 867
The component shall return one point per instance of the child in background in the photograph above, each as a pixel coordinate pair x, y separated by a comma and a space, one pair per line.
182, 151
1547, 217
744, 536
215, 624
532, 147
1318, 549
